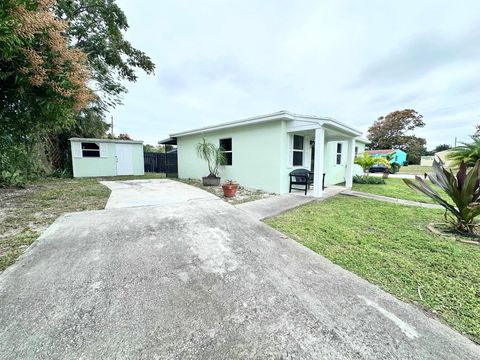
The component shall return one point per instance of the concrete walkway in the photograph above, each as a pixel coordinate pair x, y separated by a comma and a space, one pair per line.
395, 176
390, 199
275, 205
199, 279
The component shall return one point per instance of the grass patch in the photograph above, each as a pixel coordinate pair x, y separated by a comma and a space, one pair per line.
415, 169
26, 213
396, 188
388, 245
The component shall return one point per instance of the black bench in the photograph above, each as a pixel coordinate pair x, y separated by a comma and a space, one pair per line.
304, 178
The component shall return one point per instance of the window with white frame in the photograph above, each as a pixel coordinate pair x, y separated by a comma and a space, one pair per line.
298, 150
90, 149
339, 154
226, 147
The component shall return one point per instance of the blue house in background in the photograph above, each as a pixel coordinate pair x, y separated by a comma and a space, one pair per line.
397, 156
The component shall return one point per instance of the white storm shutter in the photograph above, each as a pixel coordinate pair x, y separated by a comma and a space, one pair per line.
76, 149
103, 150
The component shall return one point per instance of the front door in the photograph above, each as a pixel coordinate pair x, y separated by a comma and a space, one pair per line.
124, 159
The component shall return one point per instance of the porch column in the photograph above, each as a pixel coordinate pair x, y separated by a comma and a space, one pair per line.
318, 168
349, 168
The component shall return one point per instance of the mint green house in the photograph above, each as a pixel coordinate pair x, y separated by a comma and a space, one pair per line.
261, 151
105, 157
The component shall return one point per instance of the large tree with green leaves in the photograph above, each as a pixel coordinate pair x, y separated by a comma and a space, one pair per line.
43, 80
97, 28
394, 131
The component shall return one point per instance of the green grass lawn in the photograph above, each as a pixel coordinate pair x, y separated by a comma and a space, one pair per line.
388, 245
26, 213
415, 169
396, 188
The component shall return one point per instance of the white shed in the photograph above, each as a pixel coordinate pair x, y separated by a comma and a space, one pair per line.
105, 157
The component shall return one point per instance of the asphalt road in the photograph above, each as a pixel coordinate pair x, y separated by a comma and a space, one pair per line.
199, 279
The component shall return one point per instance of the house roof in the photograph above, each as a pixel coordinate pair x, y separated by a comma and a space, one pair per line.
107, 140
280, 115
381, 152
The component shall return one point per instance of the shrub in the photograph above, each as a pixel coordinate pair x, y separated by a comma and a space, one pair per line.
358, 179
462, 188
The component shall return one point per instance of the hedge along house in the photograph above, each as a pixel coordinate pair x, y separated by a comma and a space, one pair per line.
105, 157
261, 151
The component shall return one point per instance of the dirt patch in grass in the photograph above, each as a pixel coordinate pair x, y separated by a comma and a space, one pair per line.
243, 194
26, 213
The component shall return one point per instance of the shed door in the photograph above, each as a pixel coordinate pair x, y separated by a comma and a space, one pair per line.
124, 159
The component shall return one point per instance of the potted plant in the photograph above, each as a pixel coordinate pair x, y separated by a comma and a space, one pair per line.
214, 158
229, 188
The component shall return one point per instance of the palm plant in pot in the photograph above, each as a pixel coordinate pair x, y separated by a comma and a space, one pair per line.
229, 188
214, 158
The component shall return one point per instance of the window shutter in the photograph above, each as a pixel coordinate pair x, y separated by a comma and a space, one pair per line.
103, 150
76, 149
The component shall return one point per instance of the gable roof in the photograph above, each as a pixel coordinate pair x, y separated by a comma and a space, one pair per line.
280, 115
380, 152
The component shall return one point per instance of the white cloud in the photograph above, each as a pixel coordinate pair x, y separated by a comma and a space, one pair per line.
222, 60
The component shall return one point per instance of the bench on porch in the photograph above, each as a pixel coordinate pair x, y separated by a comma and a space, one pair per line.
304, 178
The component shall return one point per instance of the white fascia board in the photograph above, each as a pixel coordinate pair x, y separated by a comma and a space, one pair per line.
328, 121
107, 140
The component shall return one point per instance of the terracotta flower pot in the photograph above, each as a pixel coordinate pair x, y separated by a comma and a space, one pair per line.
210, 181
229, 190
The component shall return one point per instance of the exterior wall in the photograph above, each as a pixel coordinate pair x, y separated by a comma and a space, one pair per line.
137, 156
106, 165
357, 169
257, 155
426, 160
400, 157
334, 174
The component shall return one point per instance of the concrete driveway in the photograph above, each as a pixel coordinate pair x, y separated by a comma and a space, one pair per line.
199, 279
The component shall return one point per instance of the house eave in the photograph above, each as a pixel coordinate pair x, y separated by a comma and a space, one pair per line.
281, 115
107, 140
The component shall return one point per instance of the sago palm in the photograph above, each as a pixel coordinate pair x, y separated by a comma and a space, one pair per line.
462, 188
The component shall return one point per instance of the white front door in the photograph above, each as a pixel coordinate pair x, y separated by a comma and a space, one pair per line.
124, 159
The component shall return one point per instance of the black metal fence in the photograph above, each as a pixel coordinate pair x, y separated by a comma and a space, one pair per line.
161, 163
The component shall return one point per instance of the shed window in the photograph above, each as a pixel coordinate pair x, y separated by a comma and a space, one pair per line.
90, 149
226, 146
339, 154
298, 150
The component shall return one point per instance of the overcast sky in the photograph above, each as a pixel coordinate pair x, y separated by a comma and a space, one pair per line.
352, 60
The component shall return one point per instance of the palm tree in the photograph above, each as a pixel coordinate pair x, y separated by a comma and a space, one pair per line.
213, 155
468, 153
366, 161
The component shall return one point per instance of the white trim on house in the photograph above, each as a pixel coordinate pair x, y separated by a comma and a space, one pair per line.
106, 140
315, 122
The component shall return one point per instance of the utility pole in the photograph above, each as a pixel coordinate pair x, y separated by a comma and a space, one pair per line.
455, 141
111, 124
